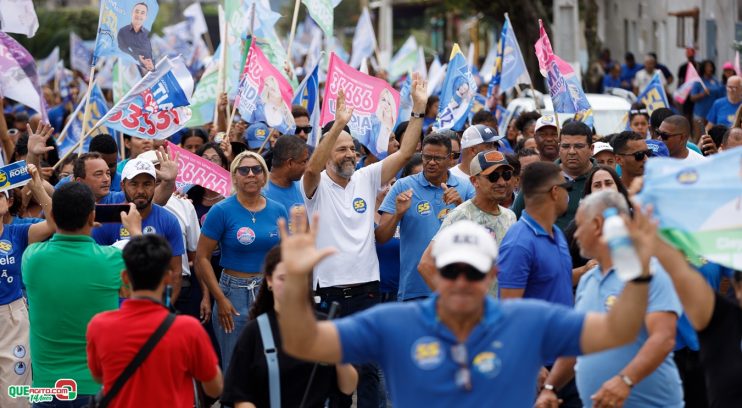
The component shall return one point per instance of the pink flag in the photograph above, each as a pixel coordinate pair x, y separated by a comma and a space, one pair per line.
193, 169
375, 104
691, 77
736, 63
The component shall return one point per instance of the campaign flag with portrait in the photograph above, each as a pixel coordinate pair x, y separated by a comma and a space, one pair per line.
307, 95
157, 106
264, 94
708, 224
457, 94
124, 30
375, 105
18, 78
653, 96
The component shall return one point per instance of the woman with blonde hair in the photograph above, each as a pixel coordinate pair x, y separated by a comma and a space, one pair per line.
244, 227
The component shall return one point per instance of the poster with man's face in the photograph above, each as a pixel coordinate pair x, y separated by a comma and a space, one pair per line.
124, 30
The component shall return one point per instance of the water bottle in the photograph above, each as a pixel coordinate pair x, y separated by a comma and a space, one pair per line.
625, 260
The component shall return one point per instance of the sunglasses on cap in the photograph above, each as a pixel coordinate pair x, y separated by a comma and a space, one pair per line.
452, 272
638, 112
494, 176
305, 129
245, 170
639, 156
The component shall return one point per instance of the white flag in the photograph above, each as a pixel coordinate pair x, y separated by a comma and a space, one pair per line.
420, 66
364, 39
404, 60
195, 16
47, 67
18, 16
489, 64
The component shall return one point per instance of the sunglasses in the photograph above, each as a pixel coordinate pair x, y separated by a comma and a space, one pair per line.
494, 176
639, 156
463, 374
245, 170
452, 272
665, 135
305, 129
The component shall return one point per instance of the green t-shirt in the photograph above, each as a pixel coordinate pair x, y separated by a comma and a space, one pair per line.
69, 279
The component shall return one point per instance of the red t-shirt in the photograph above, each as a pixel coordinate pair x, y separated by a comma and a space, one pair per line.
164, 378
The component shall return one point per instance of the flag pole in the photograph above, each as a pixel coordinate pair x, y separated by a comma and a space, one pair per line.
63, 133
75, 146
252, 40
535, 101
293, 30
222, 66
86, 115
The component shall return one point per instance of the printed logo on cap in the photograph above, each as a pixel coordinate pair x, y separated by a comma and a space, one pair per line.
142, 165
245, 236
493, 156
260, 133
423, 208
487, 363
359, 205
427, 353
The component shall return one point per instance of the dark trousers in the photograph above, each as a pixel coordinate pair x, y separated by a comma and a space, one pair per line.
368, 394
694, 381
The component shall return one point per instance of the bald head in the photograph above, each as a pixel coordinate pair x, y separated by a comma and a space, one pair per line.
734, 89
680, 123
732, 138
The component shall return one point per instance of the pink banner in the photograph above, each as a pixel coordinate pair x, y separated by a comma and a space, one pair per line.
193, 169
374, 101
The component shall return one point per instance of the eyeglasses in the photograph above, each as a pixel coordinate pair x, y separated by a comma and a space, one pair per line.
452, 272
430, 158
576, 146
455, 155
639, 156
463, 374
494, 176
245, 170
665, 135
305, 129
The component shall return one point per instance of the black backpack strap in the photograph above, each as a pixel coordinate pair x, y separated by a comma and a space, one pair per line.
137, 360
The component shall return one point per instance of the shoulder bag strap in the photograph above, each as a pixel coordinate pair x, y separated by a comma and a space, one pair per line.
137, 360
271, 357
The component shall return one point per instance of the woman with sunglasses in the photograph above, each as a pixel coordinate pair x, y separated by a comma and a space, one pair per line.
244, 227
639, 119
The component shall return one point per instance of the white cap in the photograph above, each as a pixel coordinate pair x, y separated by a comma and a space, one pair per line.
601, 147
465, 242
478, 134
135, 167
151, 156
544, 121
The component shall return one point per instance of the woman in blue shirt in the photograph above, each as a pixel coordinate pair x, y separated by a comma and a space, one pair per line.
244, 227
704, 96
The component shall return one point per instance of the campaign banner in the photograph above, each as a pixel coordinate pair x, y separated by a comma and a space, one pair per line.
18, 16
457, 93
264, 94
194, 169
124, 30
653, 96
81, 54
322, 12
157, 106
404, 60
204, 97
375, 105
708, 224
47, 67
307, 95
14, 175
97, 109
691, 77
18, 77
511, 67
364, 40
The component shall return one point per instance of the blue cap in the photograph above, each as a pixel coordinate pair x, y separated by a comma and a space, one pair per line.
658, 148
256, 134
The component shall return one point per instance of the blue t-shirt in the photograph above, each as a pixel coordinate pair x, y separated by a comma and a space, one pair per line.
722, 112
243, 242
56, 117
627, 74
159, 221
702, 106
419, 225
388, 254
504, 352
113, 197
530, 259
13, 242
28, 220
286, 196
662, 388
611, 82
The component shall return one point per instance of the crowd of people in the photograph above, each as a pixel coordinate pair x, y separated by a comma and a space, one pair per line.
189, 296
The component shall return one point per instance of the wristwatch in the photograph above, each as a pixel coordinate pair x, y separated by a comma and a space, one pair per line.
625, 378
417, 115
549, 387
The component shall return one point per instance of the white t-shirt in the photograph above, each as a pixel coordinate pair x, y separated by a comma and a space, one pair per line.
463, 177
189, 228
346, 222
693, 156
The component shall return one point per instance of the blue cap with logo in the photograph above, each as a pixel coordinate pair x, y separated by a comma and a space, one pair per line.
658, 148
256, 134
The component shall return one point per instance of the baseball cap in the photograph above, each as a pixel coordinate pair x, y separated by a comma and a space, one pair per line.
151, 156
658, 148
478, 134
485, 163
727, 65
135, 167
256, 134
601, 147
465, 242
546, 120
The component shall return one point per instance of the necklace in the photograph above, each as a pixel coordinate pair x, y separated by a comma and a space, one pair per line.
252, 214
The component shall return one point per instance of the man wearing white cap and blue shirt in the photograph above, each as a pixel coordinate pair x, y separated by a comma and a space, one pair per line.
477, 138
604, 155
138, 180
459, 347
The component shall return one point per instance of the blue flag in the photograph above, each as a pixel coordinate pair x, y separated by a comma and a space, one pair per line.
98, 108
457, 94
653, 96
124, 29
512, 68
405, 101
157, 106
307, 95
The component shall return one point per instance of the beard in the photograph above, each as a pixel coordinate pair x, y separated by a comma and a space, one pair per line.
138, 201
345, 168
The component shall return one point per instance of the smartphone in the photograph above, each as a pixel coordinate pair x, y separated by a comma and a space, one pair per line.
105, 213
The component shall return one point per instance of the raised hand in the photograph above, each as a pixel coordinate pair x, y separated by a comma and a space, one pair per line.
343, 113
643, 231
451, 195
403, 202
419, 93
37, 140
168, 165
299, 252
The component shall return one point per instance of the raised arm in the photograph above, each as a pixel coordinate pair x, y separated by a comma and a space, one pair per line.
395, 161
166, 175
322, 154
303, 336
42, 230
37, 143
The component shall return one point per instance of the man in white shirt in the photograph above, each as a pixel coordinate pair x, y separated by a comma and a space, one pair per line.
344, 199
645, 75
675, 132
476, 139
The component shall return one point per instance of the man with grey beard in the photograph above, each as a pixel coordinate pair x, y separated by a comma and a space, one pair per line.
344, 199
